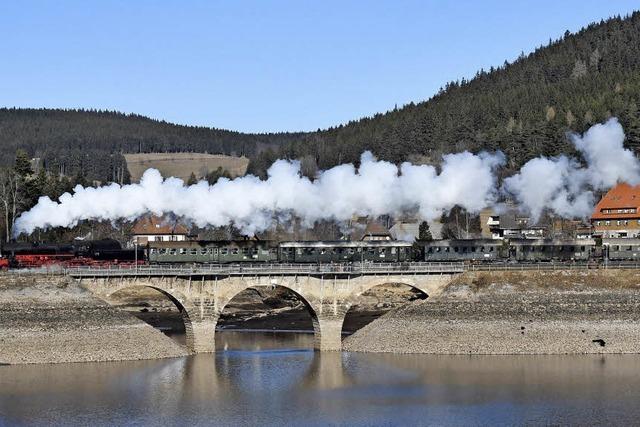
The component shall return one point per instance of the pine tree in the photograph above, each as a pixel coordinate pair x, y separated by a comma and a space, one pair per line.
23, 164
192, 179
424, 233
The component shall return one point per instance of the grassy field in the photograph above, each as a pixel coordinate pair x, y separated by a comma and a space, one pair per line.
181, 165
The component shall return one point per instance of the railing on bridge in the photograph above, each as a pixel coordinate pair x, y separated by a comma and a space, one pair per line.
268, 269
321, 269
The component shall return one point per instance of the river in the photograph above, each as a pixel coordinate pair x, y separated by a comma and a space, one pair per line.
273, 378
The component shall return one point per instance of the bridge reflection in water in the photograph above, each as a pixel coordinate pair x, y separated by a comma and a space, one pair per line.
298, 386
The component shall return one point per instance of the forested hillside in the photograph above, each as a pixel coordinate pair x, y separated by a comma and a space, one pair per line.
72, 142
524, 108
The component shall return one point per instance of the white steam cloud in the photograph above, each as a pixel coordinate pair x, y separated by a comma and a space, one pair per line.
375, 188
562, 185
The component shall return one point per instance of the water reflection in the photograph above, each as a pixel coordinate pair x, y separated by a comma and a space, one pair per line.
294, 385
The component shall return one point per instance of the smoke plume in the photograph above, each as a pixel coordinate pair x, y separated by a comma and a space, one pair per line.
562, 185
375, 188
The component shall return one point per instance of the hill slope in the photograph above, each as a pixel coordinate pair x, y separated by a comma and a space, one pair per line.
92, 141
524, 109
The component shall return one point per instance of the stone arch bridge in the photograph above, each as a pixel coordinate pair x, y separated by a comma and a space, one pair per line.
201, 293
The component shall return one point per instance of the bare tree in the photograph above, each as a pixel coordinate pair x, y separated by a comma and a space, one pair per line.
10, 185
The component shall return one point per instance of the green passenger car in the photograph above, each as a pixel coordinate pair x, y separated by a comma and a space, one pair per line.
211, 252
345, 251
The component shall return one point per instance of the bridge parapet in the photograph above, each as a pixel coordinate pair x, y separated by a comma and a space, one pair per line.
214, 270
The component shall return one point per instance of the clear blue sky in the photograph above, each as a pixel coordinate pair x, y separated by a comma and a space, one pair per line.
264, 65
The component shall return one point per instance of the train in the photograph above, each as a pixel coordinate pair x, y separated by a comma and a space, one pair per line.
103, 252
107, 252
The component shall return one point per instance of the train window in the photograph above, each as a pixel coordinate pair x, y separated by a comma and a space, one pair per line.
245, 251
235, 251
473, 249
430, 250
224, 251
455, 249
381, 250
351, 251
490, 248
393, 250
213, 251
323, 251
183, 251
615, 248
629, 248
481, 248
203, 251
163, 251
172, 251
371, 251
152, 251
194, 252
582, 248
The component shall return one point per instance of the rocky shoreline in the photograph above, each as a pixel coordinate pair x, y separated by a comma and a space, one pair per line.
525, 313
51, 320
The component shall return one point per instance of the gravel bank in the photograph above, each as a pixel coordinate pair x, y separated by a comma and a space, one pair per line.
529, 313
50, 319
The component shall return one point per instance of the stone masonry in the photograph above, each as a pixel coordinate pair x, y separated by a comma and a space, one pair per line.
201, 300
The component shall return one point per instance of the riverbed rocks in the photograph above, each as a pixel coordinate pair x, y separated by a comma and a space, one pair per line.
49, 319
527, 313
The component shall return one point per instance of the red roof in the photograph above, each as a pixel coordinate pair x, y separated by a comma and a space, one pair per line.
157, 225
621, 197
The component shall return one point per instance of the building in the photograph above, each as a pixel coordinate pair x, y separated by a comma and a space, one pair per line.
509, 224
376, 231
617, 214
151, 228
407, 231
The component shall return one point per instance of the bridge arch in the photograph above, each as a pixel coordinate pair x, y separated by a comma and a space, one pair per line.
407, 290
306, 300
181, 302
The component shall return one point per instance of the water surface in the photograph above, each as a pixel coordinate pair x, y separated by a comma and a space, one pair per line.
269, 378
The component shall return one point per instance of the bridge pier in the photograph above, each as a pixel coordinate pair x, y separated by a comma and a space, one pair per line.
328, 333
201, 336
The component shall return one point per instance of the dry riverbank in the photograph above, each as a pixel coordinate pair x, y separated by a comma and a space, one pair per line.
515, 313
50, 319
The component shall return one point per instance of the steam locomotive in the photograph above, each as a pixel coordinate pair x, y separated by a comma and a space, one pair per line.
79, 252
107, 252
